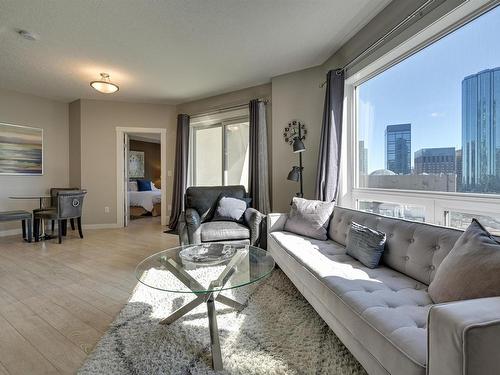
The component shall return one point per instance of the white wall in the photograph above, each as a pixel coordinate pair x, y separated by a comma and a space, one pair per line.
52, 117
98, 123
295, 96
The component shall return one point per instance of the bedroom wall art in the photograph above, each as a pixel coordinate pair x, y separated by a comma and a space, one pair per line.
21, 150
136, 164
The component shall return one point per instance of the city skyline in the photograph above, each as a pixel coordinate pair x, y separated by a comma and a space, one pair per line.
425, 90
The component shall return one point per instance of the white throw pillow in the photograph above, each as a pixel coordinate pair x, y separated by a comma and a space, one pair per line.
153, 187
309, 218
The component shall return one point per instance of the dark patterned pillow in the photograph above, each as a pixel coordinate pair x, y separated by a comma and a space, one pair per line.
365, 244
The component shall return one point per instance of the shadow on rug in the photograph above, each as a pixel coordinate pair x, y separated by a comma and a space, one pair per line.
277, 333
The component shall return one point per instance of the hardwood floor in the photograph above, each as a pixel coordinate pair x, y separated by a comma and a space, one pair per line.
56, 301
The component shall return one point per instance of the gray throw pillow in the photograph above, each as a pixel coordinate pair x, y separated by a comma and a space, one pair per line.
230, 209
470, 270
309, 218
365, 244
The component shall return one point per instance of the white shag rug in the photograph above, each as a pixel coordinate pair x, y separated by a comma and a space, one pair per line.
277, 333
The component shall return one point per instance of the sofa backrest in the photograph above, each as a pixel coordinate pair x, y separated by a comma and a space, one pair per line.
415, 249
204, 198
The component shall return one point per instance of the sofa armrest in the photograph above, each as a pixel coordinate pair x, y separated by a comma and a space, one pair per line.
276, 222
193, 223
464, 337
253, 219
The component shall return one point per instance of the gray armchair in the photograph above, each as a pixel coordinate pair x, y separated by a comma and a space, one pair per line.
195, 225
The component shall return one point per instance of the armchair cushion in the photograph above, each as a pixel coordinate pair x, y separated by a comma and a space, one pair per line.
223, 230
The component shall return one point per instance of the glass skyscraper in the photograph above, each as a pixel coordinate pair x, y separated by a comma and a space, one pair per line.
481, 132
398, 148
435, 160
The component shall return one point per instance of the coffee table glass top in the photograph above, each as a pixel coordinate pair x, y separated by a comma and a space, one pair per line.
204, 268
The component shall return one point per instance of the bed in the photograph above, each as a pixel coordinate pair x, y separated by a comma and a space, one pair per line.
144, 202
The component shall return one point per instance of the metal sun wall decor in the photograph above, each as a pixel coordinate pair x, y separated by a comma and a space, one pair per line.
292, 131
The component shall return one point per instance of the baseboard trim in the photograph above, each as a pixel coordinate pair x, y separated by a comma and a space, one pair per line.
10, 232
101, 226
16, 232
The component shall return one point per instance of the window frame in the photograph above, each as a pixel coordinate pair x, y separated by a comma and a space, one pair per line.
436, 203
213, 121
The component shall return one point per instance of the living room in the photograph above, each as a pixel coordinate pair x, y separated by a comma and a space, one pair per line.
242, 187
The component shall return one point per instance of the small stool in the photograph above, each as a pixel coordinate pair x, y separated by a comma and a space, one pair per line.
25, 218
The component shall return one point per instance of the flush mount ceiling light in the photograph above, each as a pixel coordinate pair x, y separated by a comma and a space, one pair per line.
104, 85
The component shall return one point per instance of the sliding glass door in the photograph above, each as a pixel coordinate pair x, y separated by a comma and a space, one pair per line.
219, 153
206, 156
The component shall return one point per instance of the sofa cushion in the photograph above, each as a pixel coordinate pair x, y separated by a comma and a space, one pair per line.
382, 307
471, 269
415, 249
223, 230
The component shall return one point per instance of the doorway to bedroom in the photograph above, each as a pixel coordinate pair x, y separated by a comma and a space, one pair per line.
141, 175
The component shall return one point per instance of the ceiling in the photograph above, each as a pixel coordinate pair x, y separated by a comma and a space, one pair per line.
169, 51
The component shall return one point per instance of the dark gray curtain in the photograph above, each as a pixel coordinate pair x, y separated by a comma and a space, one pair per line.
181, 169
258, 181
327, 177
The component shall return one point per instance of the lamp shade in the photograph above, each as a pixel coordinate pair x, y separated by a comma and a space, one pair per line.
298, 145
294, 174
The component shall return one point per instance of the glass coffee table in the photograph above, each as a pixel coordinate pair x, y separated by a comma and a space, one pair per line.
205, 270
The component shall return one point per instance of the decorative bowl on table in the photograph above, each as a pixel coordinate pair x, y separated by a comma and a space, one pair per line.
207, 254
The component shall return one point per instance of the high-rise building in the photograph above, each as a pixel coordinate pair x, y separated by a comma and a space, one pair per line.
458, 168
435, 160
363, 158
398, 148
481, 132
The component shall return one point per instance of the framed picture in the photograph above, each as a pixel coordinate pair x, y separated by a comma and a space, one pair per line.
21, 150
136, 164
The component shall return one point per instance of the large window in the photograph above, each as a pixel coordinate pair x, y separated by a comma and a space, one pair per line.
426, 140
432, 121
219, 153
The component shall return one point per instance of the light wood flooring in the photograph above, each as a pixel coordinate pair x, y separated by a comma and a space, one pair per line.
56, 301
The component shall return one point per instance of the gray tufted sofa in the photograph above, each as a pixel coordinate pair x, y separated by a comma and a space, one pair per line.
385, 316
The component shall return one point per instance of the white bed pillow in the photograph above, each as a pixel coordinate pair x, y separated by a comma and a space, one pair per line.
153, 187
132, 186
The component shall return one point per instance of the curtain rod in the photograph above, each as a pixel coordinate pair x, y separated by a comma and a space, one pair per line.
225, 109
416, 12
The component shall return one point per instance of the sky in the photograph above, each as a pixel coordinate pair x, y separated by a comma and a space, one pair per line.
426, 89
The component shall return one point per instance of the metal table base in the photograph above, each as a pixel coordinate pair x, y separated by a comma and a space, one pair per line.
209, 298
